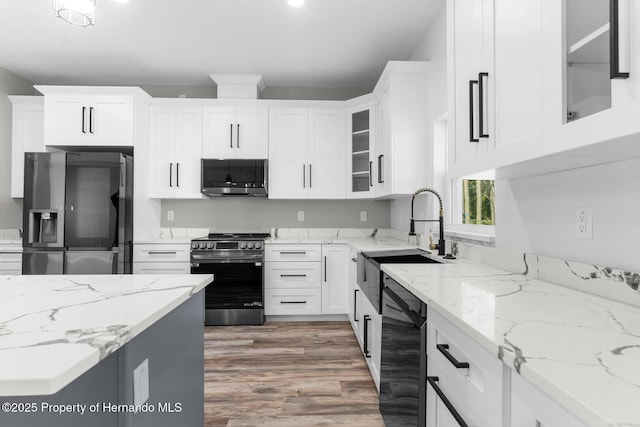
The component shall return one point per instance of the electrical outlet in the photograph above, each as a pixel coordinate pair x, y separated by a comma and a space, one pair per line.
363, 216
300, 215
141, 383
170, 215
584, 225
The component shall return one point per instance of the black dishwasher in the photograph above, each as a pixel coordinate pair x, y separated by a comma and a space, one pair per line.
403, 368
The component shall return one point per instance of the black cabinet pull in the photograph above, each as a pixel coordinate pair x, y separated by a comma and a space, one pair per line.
481, 100
292, 252
370, 174
84, 112
293, 302
472, 108
444, 349
310, 182
162, 252
90, 119
170, 174
304, 176
231, 135
293, 275
355, 305
177, 174
433, 381
367, 319
614, 42
238, 136
325, 269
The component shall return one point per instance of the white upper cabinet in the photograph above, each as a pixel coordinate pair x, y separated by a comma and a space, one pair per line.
175, 140
234, 132
361, 148
402, 132
307, 153
28, 136
586, 100
89, 116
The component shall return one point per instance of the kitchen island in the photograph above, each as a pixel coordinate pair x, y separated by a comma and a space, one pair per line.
69, 346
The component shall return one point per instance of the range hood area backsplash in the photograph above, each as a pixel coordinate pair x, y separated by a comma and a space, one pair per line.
249, 214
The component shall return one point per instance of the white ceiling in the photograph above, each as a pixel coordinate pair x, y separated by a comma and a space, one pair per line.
326, 43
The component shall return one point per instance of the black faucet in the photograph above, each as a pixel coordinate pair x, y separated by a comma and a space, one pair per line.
412, 225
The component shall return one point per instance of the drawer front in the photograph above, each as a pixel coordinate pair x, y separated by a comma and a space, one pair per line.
476, 388
163, 253
10, 257
161, 268
293, 301
275, 252
292, 275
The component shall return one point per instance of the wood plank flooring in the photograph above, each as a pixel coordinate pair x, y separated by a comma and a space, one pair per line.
287, 374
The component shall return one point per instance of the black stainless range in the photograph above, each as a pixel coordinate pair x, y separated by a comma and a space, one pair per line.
236, 260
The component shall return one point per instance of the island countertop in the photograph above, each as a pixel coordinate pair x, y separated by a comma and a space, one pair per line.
580, 349
55, 328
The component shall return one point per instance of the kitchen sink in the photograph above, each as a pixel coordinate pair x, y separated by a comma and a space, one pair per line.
405, 259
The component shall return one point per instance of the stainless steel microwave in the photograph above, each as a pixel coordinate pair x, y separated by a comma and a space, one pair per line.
234, 177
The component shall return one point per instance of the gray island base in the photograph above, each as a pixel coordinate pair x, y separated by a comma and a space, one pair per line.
104, 395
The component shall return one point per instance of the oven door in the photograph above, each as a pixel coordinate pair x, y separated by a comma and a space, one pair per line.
237, 290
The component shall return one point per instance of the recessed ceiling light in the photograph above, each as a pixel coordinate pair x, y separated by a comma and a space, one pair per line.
295, 3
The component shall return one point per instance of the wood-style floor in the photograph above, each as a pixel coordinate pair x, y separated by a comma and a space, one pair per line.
290, 374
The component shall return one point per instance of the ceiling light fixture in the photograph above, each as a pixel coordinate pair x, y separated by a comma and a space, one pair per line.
295, 3
77, 12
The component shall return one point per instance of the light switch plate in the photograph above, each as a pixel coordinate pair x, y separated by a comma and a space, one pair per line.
170, 215
141, 383
363, 216
300, 215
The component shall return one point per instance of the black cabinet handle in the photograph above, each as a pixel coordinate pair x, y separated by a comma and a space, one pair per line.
433, 381
380, 169
310, 182
90, 119
177, 174
325, 269
170, 174
231, 135
472, 108
162, 252
367, 319
293, 302
238, 136
304, 175
292, 252
614, 42
84, 112
481, 100
370, 174
444, 349
355, 305
293, 275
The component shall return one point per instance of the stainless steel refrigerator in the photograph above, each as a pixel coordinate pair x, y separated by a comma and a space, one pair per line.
78, 213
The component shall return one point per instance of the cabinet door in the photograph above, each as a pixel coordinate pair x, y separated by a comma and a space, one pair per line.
327, 167
218, 132
162, 134
28, 136
252, 131
188, 152
288, 166
111, 120
381, 163
335, 279
66, 120
361, 142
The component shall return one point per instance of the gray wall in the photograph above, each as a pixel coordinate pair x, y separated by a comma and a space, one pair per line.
311, 93
10, 209
260, 214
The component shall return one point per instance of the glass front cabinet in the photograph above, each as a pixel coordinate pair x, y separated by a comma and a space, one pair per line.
361, 151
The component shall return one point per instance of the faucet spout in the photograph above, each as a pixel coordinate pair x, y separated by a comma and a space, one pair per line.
412, 223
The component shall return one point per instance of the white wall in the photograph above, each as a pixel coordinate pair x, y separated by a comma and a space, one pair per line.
432, 48
537, 214
10, 209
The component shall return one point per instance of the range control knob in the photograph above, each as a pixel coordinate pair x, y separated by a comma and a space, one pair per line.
210, 245
243, 245
258, 245
194, 245
250, 244
203, 245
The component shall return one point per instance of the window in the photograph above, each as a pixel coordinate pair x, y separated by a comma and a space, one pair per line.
478, 201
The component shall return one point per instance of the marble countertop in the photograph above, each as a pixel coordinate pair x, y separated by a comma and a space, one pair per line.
581, 350
55, 328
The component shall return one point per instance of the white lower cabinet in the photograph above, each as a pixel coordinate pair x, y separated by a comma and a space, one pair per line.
371, 337
161, 258
10, 263
467, 375
530, 407
306, 279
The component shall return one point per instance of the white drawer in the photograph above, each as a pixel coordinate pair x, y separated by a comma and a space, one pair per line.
161, 268
477, 390
10, 269
297, 252
174, 252
293, 301
10, 257
292, 275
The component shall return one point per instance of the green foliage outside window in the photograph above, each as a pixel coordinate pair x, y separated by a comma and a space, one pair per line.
478, 202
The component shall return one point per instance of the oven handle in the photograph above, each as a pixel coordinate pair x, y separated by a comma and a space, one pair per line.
452, 410
201, 259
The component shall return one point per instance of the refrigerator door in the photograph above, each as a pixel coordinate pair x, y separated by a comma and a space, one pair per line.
94, 199
42, 262
90, 262
43, 205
